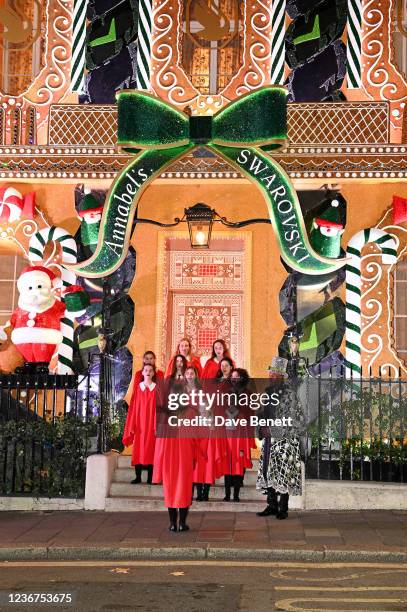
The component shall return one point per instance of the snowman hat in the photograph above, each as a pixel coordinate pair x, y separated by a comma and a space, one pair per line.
35, 269
332, 217
89, 204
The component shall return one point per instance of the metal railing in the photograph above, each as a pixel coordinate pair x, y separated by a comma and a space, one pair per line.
357, 427
46, 433
49, 424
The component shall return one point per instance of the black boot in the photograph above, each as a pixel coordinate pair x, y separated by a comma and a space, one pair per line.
149, 474
272, 506
205, 492
173, 513
237, 483
199, 487
228, 486
183, 513
137, 469
283, 506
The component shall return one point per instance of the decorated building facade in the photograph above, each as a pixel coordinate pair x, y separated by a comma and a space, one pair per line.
343, 65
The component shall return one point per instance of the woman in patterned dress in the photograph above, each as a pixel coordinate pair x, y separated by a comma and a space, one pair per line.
279, 473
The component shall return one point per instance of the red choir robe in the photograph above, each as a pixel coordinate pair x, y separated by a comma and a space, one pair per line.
239, 455
213, 464
220, 448
211, 368
139, 376
140, 424
193, 361
240, 441
174, 463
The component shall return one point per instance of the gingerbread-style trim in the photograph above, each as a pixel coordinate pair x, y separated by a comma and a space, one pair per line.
52, 82
380, 76
170, 81
384, 163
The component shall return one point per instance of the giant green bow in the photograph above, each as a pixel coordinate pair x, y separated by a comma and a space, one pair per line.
236, 133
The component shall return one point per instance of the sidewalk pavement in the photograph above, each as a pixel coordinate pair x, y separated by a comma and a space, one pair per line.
313, 535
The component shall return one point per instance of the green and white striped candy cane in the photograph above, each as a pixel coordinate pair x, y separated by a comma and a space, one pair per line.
388, 246
354, 44
36, 250
277, 42
78, 60
143, 59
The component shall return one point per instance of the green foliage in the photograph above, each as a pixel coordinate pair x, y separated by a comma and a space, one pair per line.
45, 458
367, 423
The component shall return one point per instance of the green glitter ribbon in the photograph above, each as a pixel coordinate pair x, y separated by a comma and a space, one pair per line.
241, 133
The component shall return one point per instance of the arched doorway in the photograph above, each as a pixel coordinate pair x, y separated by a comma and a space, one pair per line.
258, 326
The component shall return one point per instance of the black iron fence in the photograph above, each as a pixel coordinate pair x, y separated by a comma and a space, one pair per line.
49, 424
357, 428
46, 434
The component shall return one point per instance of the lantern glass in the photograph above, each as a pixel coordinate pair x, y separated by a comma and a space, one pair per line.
200, 234
200, 220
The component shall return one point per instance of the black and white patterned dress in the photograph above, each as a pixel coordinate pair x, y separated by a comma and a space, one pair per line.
280, 459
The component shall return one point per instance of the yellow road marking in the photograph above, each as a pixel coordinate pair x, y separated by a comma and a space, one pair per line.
282, 574
199, 563
290, 605
342, 589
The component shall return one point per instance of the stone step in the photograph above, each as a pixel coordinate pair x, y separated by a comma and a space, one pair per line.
150, 504
126, 475
124, 461
123, 489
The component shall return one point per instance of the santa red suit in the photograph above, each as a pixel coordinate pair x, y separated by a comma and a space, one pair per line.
36, 322
141, 424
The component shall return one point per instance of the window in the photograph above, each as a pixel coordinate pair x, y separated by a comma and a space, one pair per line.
212, 42
10, 269
400, 308
21, 44
400, 36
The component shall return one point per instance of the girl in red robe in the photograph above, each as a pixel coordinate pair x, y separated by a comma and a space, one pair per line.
218, 445
203, 473
239, 442
184, 348
219, 351
140, 424
179, 365
176, 455
149, 358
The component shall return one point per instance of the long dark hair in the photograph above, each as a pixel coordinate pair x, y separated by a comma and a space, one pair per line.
244, 376
230, 362
226, 352
196, 379
174, 365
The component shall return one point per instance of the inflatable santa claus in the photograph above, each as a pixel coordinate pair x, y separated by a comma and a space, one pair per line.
36, 323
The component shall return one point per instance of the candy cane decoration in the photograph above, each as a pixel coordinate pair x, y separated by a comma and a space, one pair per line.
277, 42
36, 250
388, 246
354, 45
143, 60
78, 46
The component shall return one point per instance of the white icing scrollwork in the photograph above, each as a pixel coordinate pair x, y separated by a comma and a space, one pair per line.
52, 81
170, 81
381, 78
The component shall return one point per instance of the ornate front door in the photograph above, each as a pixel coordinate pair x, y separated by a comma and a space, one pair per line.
205, 296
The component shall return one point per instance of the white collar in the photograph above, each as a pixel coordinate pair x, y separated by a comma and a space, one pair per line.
143, 386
